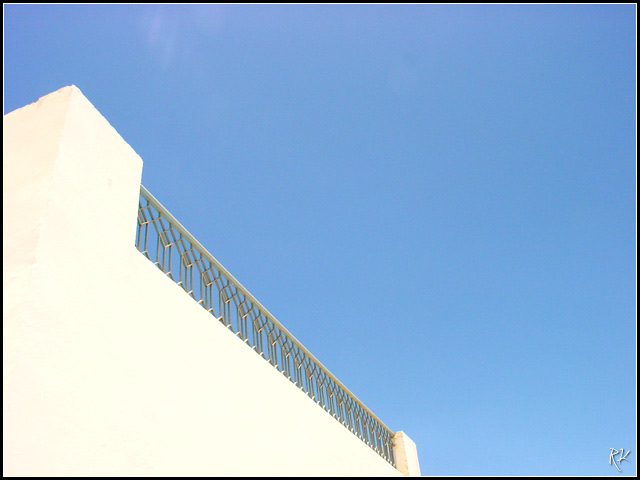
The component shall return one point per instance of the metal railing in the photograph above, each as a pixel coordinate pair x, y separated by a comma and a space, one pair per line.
164, 241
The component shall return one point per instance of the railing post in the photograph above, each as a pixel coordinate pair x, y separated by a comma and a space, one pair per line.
406, 455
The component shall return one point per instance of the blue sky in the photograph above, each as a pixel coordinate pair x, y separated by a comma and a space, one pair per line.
438, 201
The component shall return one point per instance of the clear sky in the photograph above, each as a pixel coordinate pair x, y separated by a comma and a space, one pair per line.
438, 201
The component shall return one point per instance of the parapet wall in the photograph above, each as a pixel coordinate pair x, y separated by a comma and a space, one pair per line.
109, 367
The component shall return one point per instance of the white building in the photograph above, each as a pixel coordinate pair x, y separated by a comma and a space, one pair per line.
113, 367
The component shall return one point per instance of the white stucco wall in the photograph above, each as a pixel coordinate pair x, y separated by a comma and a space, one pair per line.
109, 368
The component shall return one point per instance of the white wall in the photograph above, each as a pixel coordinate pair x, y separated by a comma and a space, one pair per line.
109, 368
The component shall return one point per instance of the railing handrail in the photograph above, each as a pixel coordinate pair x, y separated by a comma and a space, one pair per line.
255, 301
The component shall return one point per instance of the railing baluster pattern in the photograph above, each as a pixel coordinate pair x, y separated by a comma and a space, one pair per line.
164, 241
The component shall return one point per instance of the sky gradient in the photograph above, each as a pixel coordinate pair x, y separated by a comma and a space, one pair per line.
437, 201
